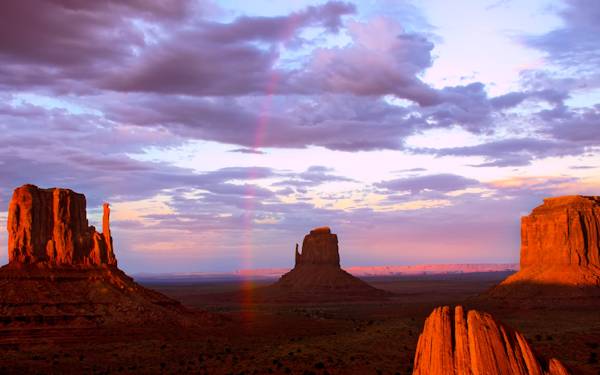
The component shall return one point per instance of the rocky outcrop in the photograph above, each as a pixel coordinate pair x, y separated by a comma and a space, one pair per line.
564, 231
452, 344
560, 250
320, 247
61, 271
317, 274
50, 226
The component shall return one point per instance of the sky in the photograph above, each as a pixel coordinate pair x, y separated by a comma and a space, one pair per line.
221, 132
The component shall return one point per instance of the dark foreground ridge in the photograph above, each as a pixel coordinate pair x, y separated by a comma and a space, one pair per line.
61, 271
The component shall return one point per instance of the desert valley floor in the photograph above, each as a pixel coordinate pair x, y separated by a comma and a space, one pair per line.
237, 336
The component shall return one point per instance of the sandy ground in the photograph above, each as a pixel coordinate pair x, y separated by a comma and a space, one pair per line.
244, 337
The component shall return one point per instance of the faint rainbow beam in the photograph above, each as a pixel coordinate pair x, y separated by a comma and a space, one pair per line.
250, 196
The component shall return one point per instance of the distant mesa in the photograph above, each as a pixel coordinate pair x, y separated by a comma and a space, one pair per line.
320, 247
61, 271
317, 274
560, 251
384, 271
452, 344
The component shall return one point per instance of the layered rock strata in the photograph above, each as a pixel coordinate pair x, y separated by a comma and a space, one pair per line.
61, 271
560, 250
50, 226
476, 344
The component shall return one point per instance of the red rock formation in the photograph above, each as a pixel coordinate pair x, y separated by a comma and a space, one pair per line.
319, 247
317, 274
62, 272
564, 231
560, 247
50, 226
477, 345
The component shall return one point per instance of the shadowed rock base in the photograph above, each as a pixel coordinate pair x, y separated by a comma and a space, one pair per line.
33, 295
452, 344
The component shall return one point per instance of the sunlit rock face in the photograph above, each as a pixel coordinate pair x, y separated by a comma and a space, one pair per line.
560, 249
564, 231
50, 226
62, 272
476, 344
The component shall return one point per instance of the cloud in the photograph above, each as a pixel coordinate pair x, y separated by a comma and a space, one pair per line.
248, 151
512, 151
575, 45
382, 59
579, 126
65, 45
444, 182
223, 58
282, 28
191, 77
313, 176
583, 167
337, 123
537, 187
417, 169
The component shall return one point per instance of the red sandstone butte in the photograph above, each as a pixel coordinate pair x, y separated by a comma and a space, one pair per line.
317, 274
320, 247
452, 344
50, 226
560, 250
62, 272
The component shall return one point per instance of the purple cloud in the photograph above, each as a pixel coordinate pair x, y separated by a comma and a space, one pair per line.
444, 182
580, 126
66, 45
221, 58
382, 59
575, 45
248, 151
512, 151
313, 176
